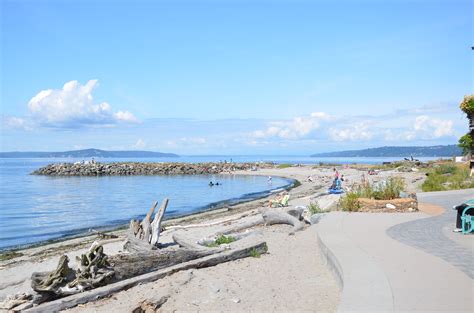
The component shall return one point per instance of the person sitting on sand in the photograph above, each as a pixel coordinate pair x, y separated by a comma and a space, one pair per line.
278, 200
336, 184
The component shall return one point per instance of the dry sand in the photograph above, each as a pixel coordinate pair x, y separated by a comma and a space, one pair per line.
290, 277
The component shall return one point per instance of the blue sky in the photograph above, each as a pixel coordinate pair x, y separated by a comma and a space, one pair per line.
239, 77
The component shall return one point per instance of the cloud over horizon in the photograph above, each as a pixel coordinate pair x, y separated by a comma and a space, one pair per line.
72, 106
320, 126
313, 132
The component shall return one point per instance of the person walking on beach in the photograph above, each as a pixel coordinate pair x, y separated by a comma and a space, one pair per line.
269, 179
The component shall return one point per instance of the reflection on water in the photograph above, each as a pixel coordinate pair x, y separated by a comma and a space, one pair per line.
37, 208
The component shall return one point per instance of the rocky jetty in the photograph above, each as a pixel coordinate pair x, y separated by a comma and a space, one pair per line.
136, 168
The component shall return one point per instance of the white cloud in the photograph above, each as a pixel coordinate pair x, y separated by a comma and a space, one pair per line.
296, 128
12, 122
73, 106
426, 127
360, 131
140, 144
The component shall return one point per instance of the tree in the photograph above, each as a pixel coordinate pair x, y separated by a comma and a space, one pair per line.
467, 105
466, 143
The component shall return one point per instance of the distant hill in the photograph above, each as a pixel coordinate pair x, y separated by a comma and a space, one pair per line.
430, 151
87, 153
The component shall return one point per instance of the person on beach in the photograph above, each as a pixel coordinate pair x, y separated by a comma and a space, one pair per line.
336, 173
269, 179
310, 179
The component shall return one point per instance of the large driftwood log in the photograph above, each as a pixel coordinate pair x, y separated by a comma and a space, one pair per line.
275, 216
245, 247
93, 271
52, 282
228, 220
129, 265
144, 235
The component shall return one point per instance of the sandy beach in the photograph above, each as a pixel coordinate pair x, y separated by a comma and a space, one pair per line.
291, 276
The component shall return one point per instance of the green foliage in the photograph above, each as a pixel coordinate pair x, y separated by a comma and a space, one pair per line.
466, 143
388, 190
284, 165
222, 239
448, 177
443, 169
350, 202
327, 164
467, 105
314, 208
10, 255
255, 253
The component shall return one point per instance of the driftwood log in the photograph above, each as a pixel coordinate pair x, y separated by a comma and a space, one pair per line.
93, 270
129, 265
146, 262
275, 216
144, 235
245, 247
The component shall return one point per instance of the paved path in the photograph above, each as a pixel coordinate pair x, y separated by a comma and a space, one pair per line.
431, 234
383, 274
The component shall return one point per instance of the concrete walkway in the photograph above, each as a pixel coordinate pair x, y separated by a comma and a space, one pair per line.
413, 268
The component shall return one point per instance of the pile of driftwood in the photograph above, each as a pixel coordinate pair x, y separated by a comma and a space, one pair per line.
144, 260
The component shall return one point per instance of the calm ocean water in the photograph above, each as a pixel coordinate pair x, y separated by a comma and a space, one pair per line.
39, 208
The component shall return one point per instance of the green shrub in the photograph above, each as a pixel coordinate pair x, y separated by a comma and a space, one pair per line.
391, 189
350, 202
467, 105
255, 253
445, 169
314, 208
466, 143
388, 190
222, 239
284, 165
448, 177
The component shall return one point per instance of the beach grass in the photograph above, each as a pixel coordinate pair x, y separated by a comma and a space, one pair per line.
388, 190
222, 239
255, 253
10, 255
350, 202
284, 165
314, 208
449, 176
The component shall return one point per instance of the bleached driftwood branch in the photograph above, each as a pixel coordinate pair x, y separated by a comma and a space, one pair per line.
144, 235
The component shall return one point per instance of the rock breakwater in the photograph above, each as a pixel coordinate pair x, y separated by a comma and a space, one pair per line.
139, 168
